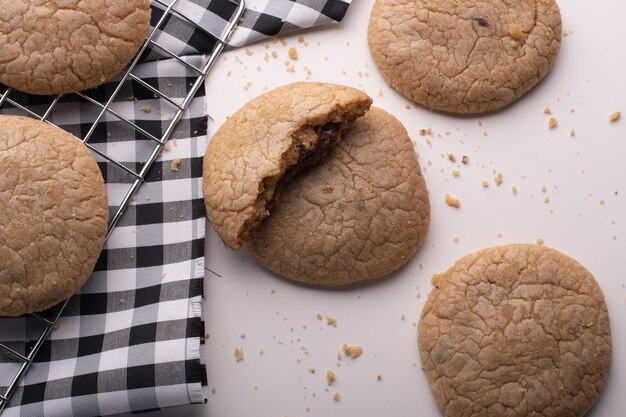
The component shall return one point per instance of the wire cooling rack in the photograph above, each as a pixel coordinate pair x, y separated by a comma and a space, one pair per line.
103, 102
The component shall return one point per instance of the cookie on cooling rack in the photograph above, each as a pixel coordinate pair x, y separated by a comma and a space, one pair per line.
519, 330
358, 215
53, 215
51, 48
266, 143
462, 56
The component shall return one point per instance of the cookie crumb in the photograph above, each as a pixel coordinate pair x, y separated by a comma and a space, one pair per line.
147, 108
452, 202
336, 396
451, 157
515, 30
175, 164
331, 321
547, 110
312, 370
293, 54
319, 316
539, 241
379, 377
614, 117
498, 179
213, 390
352, 351
514, 189
424, 132
330, 377
301, 39
455, 173
552, 123
572, 132
402, 316
464, 159
485, 184
167, 146
239, 354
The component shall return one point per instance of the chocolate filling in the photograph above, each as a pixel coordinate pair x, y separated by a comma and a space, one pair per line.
328, 136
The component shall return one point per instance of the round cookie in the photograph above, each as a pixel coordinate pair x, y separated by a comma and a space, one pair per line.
358, 215
264, 144
464, 57
53, 215
517, 330
57, 47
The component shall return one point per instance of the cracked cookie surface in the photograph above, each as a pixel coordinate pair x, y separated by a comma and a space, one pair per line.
464, 57
53, 215
517, 330
358, 215
62, 46
266, 142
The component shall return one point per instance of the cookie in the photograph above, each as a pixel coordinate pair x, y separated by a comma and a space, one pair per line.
53, 215
464, 57
267, 142
517, 330
358, 215
53, 47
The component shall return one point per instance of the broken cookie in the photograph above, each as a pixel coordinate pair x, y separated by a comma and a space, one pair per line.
265, 144
358, 215
517, 330
464, 57
53, 215
51, 47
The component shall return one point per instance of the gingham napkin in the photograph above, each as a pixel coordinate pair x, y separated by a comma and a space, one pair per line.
130, 340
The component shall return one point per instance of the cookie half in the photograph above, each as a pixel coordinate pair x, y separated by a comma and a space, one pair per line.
461, 56
49, 47
53, 215
517, 330
358, 215
266, 143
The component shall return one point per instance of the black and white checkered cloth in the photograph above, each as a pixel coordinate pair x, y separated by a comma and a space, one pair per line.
130, 340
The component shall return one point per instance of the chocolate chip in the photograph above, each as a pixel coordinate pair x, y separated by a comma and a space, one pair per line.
481, 22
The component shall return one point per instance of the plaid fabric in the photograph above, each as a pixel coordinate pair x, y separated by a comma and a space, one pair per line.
130, 340
267, 18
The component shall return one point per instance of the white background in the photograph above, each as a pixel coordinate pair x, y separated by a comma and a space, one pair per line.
585, 218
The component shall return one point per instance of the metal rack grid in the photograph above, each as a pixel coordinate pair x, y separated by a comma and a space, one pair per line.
12, 101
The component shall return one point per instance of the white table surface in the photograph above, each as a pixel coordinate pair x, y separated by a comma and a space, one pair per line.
584, 180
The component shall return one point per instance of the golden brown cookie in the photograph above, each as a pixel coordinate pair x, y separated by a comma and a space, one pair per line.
358, 215
53, 215
517, 330
265, 143
56, 47
462, 56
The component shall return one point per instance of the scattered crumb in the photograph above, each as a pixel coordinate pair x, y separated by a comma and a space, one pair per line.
498, 179
425, 132
175, 164
239, 354
614, 117
242, 335
274, 54
572, 132
407, 106
293, 54
163, 275
455, 239
546, 199
402, 316
514, 189
319, 316
331, 321
547, 110
147, 108
301, 39
336, 396
330, 377
498, 234
379, 93
464, 159
515, 30
379, 377
451, 201
455, 173
552, 123
312, 370
485, 184
539, 241
167, 146
451, 157
213, 390
544, 188
352, 351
